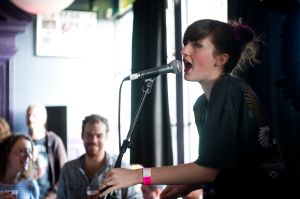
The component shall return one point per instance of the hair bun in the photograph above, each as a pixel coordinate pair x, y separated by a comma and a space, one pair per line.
244, 33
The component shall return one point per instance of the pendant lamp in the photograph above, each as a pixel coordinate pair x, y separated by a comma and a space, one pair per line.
42, 6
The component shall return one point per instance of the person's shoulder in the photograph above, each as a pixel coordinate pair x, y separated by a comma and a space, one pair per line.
201, 98
243, 86
29, 185
29, 182
35, 187
226, 79
51, 134
200, 102
72, 163
229, 83
227, 89
54, 138
34, 183
112, 158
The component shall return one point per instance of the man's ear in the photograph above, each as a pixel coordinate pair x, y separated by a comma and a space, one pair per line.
222, 59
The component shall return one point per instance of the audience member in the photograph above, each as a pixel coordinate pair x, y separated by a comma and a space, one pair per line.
4, 129
49, 150
16, 158
86, 173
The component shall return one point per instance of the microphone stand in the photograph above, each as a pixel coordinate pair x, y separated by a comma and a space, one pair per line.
126, 143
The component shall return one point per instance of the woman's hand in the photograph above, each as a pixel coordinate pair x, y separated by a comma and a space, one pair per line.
120, 178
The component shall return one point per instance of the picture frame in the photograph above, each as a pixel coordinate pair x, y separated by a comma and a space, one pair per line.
65, 33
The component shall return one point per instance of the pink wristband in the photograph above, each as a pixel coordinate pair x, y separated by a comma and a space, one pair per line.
147, 179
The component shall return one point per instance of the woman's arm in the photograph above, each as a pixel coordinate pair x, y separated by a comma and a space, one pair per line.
190, 173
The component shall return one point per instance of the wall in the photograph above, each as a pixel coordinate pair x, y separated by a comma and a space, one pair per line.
84, 85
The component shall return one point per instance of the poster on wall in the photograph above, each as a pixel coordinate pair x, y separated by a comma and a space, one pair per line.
66, 33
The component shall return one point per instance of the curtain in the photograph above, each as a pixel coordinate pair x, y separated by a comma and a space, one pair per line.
151, 137
276, 78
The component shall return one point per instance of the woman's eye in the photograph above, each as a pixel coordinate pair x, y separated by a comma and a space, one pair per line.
196, 45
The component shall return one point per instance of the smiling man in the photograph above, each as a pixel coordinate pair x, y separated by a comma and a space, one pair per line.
82, 176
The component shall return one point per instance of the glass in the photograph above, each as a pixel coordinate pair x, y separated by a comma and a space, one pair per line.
93, 189
13, 193
92, 193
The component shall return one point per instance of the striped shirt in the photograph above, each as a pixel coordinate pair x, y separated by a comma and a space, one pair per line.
27, 189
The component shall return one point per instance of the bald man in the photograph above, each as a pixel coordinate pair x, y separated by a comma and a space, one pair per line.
50, 153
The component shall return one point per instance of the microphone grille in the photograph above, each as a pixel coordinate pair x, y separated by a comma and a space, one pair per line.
177, 66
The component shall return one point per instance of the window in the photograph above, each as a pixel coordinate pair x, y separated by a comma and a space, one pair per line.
191, 11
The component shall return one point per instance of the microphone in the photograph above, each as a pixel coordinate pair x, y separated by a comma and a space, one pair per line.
172, 67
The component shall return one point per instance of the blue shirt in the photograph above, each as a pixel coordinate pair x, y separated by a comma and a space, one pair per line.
73, 182
27, 189
42, 165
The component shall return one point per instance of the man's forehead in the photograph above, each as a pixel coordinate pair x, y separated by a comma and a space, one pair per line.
95, 125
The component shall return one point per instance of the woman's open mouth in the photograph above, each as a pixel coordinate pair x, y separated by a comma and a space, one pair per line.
187, 66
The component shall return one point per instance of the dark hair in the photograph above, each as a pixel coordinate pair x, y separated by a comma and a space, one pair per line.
233, 38
5, 148
94, 118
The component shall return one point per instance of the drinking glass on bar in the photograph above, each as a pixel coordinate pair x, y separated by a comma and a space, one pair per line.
92, 193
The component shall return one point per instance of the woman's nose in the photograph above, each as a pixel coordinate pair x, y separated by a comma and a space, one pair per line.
184, 50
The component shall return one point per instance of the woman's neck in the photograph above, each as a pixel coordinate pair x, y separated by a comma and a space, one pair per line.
10, 178
208, 84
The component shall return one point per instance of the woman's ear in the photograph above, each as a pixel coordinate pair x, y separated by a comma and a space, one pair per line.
222, 59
